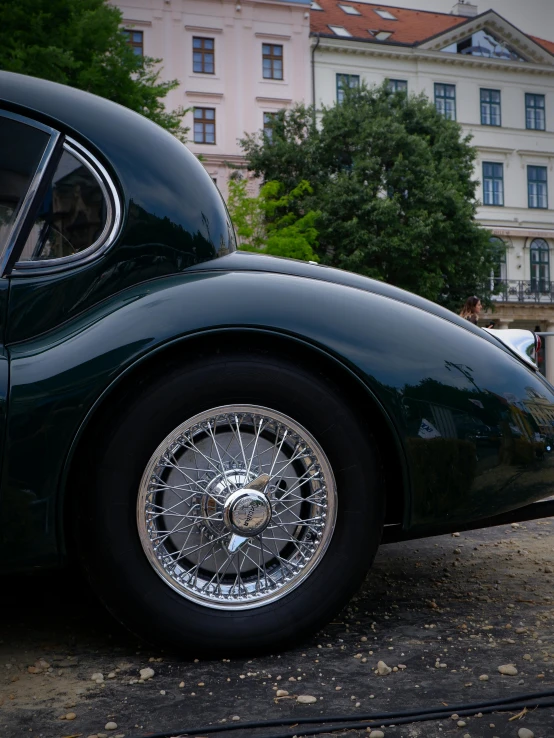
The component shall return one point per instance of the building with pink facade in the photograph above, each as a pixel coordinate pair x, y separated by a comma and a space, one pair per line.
237, 61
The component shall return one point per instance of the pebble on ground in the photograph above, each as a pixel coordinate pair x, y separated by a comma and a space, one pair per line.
508, 670
306, 699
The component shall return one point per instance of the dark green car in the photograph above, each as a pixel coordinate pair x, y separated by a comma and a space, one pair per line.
223, 439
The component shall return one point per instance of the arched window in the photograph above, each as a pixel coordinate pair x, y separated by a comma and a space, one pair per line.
540, 265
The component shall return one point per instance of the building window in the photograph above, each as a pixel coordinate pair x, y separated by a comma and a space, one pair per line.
272, 56
269, 120
204, 125
344, 81
493, 184
490, 107
540, 265
537, 188
535, 118
340, 31
485, 44
203, 55
349, 9
386, 15
445, 100
397, 85
498, 272
135, 39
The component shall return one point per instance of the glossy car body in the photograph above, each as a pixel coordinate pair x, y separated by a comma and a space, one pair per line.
459, 419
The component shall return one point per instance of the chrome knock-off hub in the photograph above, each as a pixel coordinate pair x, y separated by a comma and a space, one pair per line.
247, 512
218, 489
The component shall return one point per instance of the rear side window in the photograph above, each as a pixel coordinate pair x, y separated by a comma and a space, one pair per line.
21, 150
73, 215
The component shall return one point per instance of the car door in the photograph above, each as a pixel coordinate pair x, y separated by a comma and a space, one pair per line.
26, 148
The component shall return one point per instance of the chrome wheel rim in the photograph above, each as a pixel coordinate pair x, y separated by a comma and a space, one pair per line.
236, 507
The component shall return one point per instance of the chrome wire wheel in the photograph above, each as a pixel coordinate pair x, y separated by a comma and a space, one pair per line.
236, 507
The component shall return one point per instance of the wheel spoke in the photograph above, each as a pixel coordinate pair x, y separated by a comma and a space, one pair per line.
239, 438
216, 446
193, 481
277, 449
256, 439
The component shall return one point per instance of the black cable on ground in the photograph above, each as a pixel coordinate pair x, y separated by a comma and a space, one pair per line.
387, 723
376, 720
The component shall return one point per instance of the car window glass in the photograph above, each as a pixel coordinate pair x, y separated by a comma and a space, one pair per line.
72, 215
21, 148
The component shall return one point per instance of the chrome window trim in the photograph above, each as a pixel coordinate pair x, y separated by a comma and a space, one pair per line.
33, 187
109, 232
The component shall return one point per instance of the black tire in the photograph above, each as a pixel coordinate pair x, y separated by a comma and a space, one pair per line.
113, 555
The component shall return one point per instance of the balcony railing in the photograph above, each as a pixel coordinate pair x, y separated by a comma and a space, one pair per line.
521, 290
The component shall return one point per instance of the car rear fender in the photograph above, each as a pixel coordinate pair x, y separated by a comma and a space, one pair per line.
420, 369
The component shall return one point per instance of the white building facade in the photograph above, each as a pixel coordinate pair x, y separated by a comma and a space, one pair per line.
237, 61
498, 83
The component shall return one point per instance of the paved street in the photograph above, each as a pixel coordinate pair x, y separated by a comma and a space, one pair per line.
445, 613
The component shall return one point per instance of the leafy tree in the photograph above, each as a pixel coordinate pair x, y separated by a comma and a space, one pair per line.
393, 181
80, 43
246, 213
287, 233
269, 222
293, 151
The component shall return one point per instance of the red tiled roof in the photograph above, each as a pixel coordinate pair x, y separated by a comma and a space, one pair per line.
411, 26
548, 45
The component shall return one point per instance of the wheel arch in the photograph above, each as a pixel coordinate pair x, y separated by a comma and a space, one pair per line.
114, 398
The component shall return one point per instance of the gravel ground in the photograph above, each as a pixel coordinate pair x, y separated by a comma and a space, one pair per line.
443, 613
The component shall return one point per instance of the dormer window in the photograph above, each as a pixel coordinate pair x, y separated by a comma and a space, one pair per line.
386, 15
383, 35
340, 31
349, 9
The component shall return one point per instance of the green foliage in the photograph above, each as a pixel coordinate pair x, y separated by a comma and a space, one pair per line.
247, 215
393, 181
291, 154
270, 223
80, 43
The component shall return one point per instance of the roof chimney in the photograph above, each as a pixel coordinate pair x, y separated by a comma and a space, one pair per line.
465, 8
